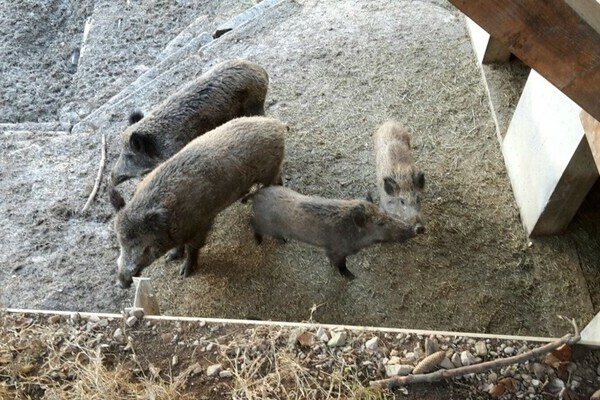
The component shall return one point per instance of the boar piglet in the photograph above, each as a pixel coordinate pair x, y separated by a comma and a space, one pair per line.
399, 183
342, 227
174, 205
234, 88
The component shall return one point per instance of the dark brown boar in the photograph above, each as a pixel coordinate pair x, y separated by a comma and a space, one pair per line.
176, 203
231, 89
399, 182
342, 227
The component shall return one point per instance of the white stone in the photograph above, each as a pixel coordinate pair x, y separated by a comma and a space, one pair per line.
466, 358
338, 339
214, 370
481, 349
509, 350
397, 369
131, 321
371, 344
446, 364
225, 374
322, 334
456, 360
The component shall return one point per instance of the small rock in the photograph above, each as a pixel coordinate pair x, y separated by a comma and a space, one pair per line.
54, 319
225, 374
447, 364
210, 347
131, 321
394, 352
371, 344
526, 378
166, 337
75, 317
118, 335
410, 357
338, 339
456, 360
214, 370
294, 335
493, 377
430, 346
418, 352
397, 369
306, 339
394, 360
93, 318
322, 334
539, 371
481, 349
196, 342
466, 358
509, 350
174, 360
137, 312
202, 324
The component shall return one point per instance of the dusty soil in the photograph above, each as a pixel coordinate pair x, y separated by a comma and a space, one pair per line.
338, 70
74, 357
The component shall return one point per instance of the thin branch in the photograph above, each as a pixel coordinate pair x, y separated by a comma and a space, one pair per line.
98, 177
478, 368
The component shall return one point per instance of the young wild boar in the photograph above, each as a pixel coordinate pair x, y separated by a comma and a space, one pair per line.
176, 203
342, 227
399, 183
231, 89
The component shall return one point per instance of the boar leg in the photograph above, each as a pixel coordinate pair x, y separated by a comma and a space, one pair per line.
339, 261
175, 253
192, 248
254, 109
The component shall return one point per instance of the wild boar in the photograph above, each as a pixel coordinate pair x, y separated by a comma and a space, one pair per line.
399, 182
342, 227
231, 89
176, 203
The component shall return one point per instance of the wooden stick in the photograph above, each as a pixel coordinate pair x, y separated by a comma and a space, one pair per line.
478, 368
98, 177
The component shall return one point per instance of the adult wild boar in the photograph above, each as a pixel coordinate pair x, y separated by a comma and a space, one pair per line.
176, 203
342, 227
399, 182
231, 89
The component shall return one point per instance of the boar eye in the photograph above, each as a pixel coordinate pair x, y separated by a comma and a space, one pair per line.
402, 201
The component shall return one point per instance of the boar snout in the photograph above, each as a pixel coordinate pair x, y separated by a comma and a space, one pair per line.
124, 281
419, 229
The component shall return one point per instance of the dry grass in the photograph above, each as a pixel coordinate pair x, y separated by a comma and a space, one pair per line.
274, 371
63, 363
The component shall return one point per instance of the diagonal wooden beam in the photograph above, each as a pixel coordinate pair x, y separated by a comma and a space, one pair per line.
560, 39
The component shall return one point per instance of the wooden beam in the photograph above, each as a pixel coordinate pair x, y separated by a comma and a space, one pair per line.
488, 50
548, 159
591, 127
551, 36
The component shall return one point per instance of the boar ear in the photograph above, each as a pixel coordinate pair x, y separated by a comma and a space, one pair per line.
390, 185
359, 216
419, 180
115, 198
142, 144
157, 219
369, 197
135, 116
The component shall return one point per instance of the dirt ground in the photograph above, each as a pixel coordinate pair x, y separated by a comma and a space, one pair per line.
338, 70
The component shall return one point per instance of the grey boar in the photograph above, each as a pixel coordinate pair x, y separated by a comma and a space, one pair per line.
399, 183
231, 89
175, 204
342, 227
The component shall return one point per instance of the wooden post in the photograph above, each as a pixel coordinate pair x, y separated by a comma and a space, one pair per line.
548, 159
487, 49
560, 39
591, 128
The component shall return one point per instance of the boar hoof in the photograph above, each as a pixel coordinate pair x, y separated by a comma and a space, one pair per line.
186, 269
174, 254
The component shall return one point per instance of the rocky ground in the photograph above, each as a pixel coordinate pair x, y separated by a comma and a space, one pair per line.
76, 356
338, 69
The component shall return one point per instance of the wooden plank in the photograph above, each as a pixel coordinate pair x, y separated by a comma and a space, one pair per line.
549, 162
144, 296
550, 36
488, 50
591, 127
